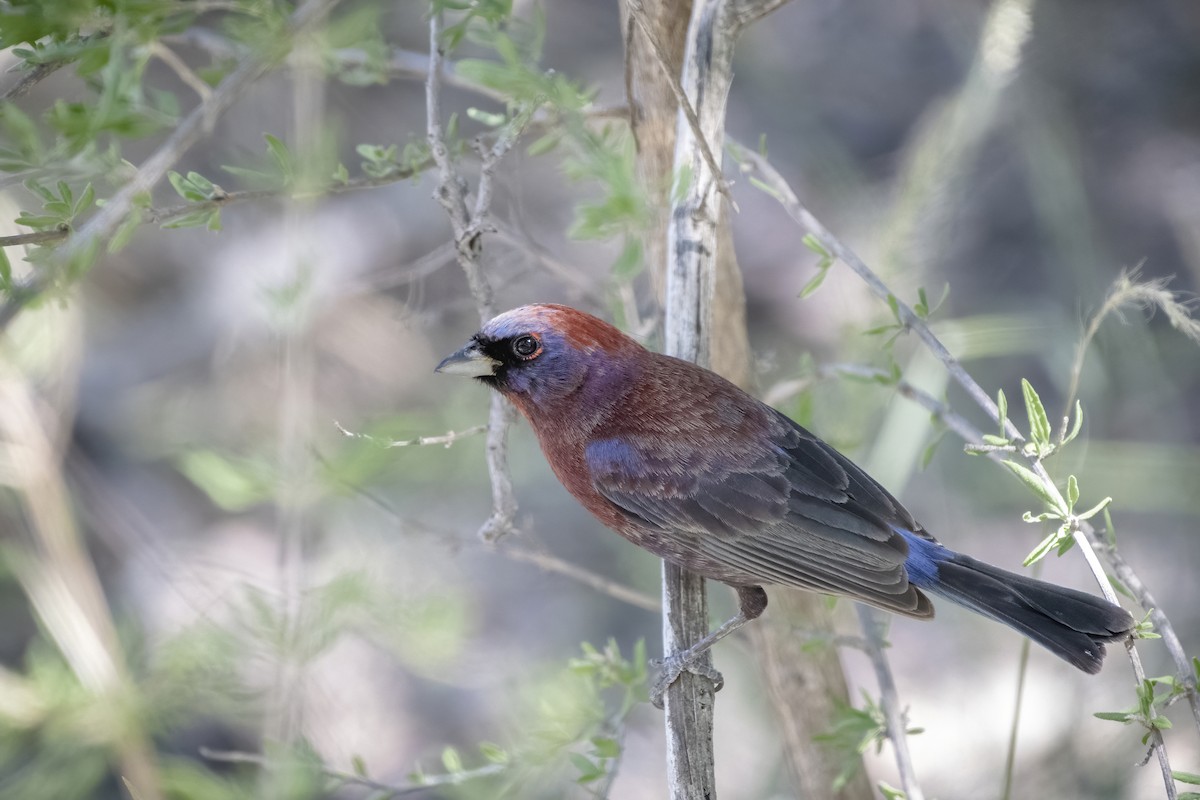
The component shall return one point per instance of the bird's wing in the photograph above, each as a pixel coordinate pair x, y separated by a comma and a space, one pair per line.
783, 508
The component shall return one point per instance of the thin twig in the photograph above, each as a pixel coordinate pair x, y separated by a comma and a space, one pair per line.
388, 790
544, 561
468, 228
1126, 575
889, 700
35, 237
445, 440
948, 416
782, 192
510, 235
1128, 290
181, 70
30, 79
585, 576
1010, 756
392, 276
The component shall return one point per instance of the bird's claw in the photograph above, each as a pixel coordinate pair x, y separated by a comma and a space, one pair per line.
670, 668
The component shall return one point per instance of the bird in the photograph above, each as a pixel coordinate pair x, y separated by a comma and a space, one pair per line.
687, 465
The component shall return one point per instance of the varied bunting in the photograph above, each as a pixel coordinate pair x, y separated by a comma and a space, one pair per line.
683, 463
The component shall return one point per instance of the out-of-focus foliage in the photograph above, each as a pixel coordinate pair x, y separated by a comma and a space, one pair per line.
207, 585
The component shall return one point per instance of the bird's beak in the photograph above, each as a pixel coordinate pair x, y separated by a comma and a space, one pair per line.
470, 361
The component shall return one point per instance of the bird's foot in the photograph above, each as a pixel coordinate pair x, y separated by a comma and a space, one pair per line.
671, 667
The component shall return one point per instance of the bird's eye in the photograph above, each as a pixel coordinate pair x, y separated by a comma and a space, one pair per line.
526, 346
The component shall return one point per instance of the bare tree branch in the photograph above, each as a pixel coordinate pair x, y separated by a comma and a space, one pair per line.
1083, 533
889, 701
181, 69
444, 440
35, 237
387, 790
468, 227
594, 580
692, 244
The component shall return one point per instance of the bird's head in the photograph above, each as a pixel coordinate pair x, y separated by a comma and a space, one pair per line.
538, 355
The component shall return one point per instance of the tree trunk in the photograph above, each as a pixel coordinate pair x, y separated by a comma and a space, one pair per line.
803, 685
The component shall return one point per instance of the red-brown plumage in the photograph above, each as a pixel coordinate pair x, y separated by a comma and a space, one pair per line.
585, 331
685, 464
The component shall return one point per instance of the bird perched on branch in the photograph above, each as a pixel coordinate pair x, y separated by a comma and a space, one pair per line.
683, 463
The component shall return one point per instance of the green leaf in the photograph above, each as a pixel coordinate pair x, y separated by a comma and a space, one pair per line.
255, 176
1044, 547
1186, 777
183, 187
203, 218
451, 760
202, 184
921, 307
1035, 485
124, 233
232, 484
992, 439
813, 284
606, 747
1072, 492
1002, 408
282, 157
86, 198
22, 132
39, 221
544, 144
1096, 509
588, 771
1124, 717
494, 753
359, 766
1039, 423
1077, 425
763, 186
5, 272
894, 304
1110, 530
931, 448
506, 49
813, 243
486, 117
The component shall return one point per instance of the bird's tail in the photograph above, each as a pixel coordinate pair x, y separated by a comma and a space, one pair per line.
1071, 624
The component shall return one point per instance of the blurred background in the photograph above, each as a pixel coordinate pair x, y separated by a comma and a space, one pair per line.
196, 555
